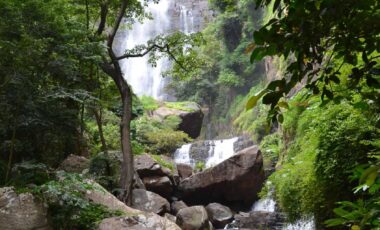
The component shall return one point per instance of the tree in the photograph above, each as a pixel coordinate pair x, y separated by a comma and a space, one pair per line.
319, 38
171, 46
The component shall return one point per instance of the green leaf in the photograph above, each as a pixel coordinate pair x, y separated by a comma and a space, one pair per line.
280, 118
252, 102
283, 104
369, 175
335, 222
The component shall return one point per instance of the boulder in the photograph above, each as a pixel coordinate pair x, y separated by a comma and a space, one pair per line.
258, 220
219, 215
176, 206
190, 113
160, 185
146, 221
184, 170
235, 180
148, 201
133, 219
21, 211
146, 166
75, 164
193, 218
170, 217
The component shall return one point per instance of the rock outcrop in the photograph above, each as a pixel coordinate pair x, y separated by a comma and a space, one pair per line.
21, 211
219, 215
258, 220
235, 180
133, 220
193, 218
191, 117
155, 177
150, 202
184, 170
75, 164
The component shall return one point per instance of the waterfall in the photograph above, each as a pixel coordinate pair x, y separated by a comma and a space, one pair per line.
139, 73
219, 150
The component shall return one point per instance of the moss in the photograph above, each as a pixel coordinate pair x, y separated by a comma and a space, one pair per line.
182, 105
163, 162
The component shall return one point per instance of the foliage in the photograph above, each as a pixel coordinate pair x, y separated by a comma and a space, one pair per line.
310, 34
322, 145
159, 137
271, 146
362, 213
182, 105
67, 205
148, 103
200, 166
163, 162
27, 172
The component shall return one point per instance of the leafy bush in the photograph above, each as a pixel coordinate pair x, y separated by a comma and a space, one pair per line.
271, 146
149, 103
67, 205
165, 141
29, 172
322, 146
200, 166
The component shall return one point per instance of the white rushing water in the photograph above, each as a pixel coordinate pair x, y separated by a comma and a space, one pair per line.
140, 74
219, 150
268, 204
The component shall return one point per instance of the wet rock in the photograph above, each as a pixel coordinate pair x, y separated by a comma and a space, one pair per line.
21, 211
184, 170
258, 220
160, 185
75, 164
193, 218
219, 215
150, 202
242, 143
177, 205
235, 180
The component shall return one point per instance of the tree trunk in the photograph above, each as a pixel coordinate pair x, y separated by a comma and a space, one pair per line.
126, 179
98, 118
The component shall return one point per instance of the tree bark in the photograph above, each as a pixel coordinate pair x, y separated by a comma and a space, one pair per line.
99, 122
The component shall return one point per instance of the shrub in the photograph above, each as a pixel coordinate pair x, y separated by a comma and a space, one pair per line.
29, 172
67, 205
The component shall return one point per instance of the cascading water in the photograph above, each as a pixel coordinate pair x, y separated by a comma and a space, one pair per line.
268, 205
219, 150
145, 79
140, 74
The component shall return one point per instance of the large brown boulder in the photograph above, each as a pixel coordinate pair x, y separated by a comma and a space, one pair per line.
133, 219
75, 164
155, 177
193, 218
21, 211
146, 221
235, 180
219, 215
184, 170
150, 202
190, 113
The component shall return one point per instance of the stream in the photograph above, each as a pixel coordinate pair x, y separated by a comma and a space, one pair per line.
220, 150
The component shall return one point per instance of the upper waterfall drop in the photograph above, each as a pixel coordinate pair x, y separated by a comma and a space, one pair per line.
187, 16
145, 79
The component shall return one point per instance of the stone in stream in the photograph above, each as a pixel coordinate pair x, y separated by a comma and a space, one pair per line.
219, 215
177, 205
193, 218
21, 211
258, 220
150, 202
235, 180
